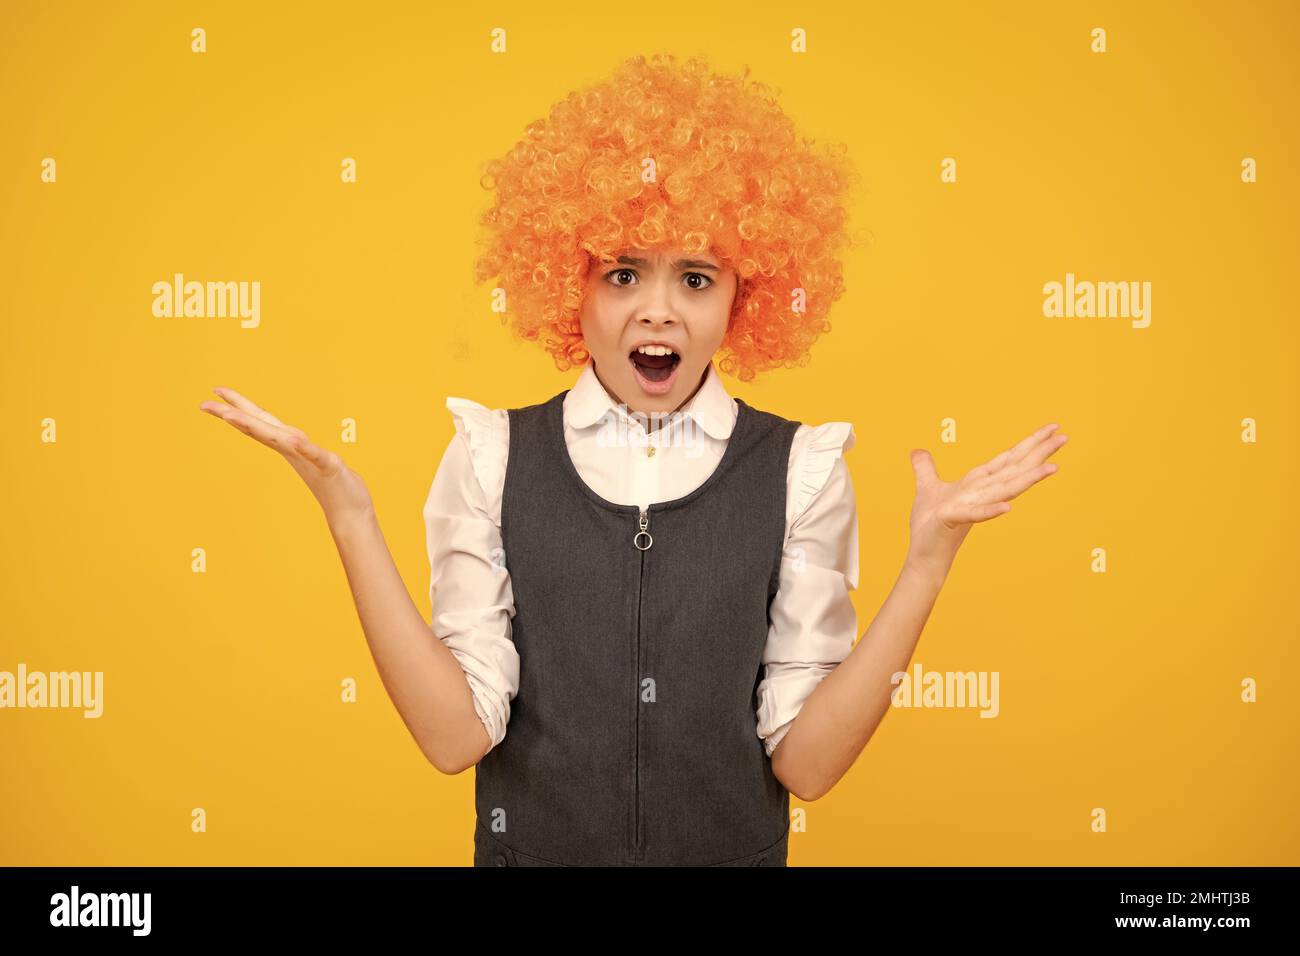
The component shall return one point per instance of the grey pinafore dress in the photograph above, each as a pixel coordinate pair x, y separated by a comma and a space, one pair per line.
632, 740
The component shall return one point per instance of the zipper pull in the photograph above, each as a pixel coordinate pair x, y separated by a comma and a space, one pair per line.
643, 522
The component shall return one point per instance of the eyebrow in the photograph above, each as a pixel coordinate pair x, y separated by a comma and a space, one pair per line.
679, 264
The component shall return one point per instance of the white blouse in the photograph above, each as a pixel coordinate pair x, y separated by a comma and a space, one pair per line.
813, 624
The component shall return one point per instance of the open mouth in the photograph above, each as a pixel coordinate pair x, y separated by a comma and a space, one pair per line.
655, 367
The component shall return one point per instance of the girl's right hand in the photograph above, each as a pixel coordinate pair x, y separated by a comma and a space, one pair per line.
342, 494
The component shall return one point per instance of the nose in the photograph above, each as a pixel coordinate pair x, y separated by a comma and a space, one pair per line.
656, 308
656, 320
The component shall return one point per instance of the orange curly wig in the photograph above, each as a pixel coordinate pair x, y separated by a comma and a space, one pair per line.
727, 173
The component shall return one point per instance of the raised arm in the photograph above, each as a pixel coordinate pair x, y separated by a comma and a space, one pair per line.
421, 675
839, 717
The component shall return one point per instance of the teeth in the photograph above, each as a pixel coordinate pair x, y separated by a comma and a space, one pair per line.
655, 350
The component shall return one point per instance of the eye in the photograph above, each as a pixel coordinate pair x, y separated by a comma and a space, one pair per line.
699, 275
619, 272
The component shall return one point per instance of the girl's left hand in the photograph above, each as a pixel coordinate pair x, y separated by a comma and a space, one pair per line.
944, 511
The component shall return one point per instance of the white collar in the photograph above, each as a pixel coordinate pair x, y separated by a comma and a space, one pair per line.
712, 407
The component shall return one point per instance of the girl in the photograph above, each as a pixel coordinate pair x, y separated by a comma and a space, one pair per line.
641, 585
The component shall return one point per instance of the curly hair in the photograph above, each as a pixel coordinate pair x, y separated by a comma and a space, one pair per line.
666, 154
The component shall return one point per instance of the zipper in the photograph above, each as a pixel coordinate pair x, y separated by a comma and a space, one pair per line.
643, 523
642, 540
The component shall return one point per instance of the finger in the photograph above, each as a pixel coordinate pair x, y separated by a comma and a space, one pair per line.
1015, 452
923, 465
273, 436
293, 440
1040, 452
1008, 488
314, 453
1032, 459
247, 406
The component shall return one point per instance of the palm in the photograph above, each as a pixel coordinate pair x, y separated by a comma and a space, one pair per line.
944, 511
338, 489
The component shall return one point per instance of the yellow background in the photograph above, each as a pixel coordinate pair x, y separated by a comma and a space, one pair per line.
1118, 690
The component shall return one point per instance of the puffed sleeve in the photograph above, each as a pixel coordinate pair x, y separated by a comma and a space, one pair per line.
469, 587
813, 623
